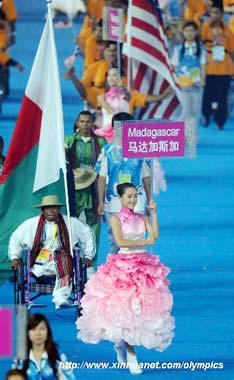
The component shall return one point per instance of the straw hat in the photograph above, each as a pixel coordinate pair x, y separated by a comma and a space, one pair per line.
50, 200
84, 177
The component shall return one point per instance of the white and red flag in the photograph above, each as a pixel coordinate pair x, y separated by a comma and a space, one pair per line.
36, 156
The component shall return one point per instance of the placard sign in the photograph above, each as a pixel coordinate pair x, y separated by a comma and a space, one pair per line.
6, 323
112, 24
148, 139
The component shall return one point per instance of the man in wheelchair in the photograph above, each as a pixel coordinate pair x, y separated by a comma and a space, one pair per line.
47, 238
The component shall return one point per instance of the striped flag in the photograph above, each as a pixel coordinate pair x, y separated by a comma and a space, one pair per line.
152, 72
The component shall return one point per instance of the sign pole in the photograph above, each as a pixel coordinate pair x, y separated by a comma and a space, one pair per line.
113, 30
129, 59
119, 60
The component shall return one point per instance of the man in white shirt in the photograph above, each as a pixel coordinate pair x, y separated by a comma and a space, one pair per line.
47, 238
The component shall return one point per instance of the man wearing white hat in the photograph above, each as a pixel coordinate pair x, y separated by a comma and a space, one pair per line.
47, 238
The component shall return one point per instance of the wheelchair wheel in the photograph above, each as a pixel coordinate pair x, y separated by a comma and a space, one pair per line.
19, 286
81, 285
83, 276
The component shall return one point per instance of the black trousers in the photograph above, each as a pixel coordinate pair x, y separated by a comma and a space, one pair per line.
4, 80
216, 90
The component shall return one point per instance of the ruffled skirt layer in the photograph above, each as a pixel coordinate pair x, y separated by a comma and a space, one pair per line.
128, 299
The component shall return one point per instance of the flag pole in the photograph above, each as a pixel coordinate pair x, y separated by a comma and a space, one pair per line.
119, 60
62, 150
68, 210
129, 23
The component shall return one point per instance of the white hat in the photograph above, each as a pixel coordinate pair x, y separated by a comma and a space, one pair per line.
50, 200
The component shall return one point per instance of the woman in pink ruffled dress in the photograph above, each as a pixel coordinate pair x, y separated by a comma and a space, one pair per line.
127, 301
113, 101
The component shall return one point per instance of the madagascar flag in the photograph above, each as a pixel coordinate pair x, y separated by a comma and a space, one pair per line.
36, 154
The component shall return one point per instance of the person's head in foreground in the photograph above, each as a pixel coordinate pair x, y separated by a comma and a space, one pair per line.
39, 337
127, 193
15, 374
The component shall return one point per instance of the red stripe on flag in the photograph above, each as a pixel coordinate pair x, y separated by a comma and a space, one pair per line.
164, 86
174, 103
26, 136
150, 91
142, 113
140, 76
154, 109
144, 46
152, 83
145, 5
151, 30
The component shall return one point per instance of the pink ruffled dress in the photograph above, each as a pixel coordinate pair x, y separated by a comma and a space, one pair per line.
128, 297
115, 97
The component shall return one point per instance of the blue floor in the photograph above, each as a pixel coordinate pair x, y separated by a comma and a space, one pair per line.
196, 235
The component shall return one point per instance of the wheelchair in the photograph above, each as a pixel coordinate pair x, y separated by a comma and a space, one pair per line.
28, 287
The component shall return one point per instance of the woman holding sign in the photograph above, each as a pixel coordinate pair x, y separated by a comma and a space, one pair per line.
117, 99
113, 101
128, 297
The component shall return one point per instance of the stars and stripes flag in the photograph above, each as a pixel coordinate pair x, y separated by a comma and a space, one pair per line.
146, 45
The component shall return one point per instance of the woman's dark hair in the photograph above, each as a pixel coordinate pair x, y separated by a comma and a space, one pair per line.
1, 140
217, 4
121, 116
116, 68
15, 371
194, 25
50, 345
2, 24
100, 23
122, 187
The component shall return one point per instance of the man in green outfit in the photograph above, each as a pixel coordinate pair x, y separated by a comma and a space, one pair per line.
83, 148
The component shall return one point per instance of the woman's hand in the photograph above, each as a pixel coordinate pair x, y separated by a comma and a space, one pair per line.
100, 209
87, 262
20, 67
152, 220
169, 91
203, 82
152, 205
150, 240
70, 73
16, 263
